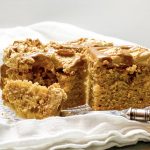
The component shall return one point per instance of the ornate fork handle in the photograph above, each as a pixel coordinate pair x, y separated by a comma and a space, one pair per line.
138, 114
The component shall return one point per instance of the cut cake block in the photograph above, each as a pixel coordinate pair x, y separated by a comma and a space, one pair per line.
119, 77
33, 61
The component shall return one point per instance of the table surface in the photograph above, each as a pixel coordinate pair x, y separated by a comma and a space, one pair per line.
138, 146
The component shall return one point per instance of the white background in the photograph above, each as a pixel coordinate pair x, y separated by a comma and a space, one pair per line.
126, 19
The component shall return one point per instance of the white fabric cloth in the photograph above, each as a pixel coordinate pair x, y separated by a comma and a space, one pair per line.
96, 130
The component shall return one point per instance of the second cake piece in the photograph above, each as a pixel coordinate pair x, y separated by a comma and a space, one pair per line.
119, 77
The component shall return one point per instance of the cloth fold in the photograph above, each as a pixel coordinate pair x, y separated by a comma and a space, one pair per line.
97, 129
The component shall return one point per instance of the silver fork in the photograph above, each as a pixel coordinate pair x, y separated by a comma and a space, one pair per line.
131, 113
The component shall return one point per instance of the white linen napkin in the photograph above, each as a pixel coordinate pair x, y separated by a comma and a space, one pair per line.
96, 130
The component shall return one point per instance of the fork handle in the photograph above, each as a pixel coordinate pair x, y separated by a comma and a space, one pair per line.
138, 114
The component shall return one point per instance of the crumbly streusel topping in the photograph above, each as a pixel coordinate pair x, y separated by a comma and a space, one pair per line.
19, 52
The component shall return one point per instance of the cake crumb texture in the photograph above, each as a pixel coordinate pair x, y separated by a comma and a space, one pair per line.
33, 100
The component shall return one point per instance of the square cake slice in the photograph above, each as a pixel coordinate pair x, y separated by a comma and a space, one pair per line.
119, 77
33, 61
